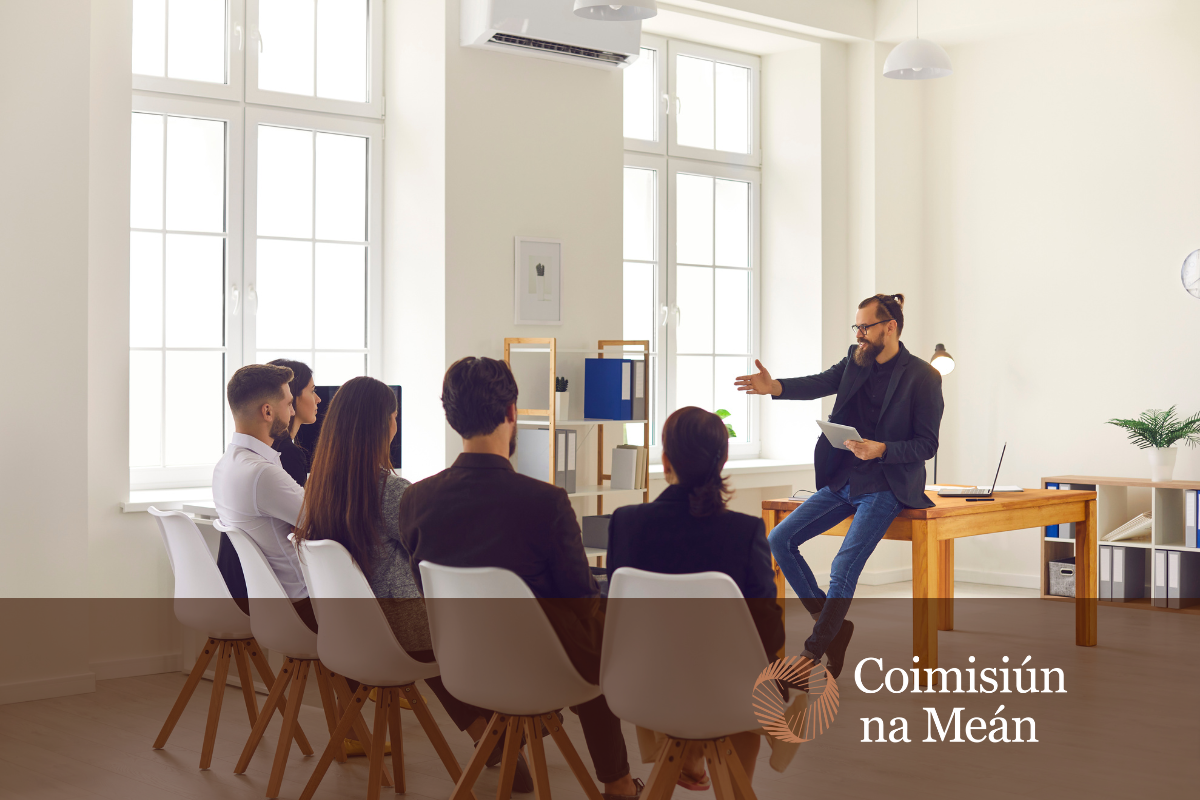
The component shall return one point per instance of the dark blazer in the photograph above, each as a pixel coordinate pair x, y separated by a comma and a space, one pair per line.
663, 536
482, 513
292, 458
908, 422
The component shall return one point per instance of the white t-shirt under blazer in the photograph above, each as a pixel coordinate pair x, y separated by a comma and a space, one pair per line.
252, 492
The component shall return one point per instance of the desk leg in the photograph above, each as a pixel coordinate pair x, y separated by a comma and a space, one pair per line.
946, 585
1085, 578
927, 582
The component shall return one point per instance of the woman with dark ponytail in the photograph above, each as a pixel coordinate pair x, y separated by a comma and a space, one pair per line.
689, 529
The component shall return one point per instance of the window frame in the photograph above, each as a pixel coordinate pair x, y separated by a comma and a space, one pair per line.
753, 447
754, 63
234, 63
304, 120
164, 477
658, 341
373, 108
658, 145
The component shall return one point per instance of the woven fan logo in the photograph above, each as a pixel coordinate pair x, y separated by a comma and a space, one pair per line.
804, 721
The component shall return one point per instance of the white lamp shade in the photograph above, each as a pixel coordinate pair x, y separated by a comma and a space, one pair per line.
914, 60
618, 11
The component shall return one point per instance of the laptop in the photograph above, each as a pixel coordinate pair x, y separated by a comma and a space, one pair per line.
972, 492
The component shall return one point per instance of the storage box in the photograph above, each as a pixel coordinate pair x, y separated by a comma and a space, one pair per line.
1062, 577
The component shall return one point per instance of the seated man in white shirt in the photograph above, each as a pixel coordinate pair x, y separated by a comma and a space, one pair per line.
251, 490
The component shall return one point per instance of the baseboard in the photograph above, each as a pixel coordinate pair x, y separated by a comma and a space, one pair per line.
132, 667
45, 688
998, 578
962, 575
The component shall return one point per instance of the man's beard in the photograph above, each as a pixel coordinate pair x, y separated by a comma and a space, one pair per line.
866, 352
512, 442
278, 428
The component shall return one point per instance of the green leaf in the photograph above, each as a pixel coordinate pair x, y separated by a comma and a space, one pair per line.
1157, 428
729, 430
722, 413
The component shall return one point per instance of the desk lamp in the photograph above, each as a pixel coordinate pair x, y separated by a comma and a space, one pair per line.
943, 362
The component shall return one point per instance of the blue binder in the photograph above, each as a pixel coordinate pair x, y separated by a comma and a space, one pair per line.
608, 388
1052, 530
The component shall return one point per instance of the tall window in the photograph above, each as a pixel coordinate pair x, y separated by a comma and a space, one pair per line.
691, 237
304, 279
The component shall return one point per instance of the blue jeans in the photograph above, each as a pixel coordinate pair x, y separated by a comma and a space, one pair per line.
873, 513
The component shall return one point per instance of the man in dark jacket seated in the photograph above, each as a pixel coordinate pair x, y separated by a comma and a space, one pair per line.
894, 400
481, 513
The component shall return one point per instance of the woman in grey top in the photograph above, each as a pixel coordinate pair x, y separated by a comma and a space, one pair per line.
353, 497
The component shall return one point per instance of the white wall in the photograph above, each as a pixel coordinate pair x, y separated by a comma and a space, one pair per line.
1061, 174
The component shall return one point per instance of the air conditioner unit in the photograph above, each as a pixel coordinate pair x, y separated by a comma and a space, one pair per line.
549, 29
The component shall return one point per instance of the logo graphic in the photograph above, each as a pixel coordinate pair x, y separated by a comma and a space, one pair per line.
810, 720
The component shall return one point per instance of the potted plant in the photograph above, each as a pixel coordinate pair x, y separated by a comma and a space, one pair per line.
562, 398
723, 414
1159, 431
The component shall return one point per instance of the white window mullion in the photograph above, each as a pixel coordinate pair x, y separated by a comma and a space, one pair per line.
233, 47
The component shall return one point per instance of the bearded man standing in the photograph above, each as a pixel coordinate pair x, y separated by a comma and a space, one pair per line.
894, 400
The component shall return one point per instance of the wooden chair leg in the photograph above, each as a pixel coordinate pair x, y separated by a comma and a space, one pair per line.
667, 768
741, 781
214, 704
185, 694
397, 740
669, 762
537, 758
353, 712
508, 763
242, 661
286, 674
430, 726
466, 782
375, 773
268, 675
287, 731
360, 726
718, 767
569, 753
330, 705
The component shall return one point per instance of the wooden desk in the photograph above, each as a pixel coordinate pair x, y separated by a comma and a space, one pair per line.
932, 532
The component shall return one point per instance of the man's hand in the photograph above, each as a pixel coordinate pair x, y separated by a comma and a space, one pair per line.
866, 449
758, 383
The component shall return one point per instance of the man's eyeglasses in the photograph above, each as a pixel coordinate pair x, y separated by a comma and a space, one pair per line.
865, 328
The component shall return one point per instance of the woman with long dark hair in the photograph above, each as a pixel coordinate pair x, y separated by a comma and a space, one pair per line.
688, 529
353, 497
292, 457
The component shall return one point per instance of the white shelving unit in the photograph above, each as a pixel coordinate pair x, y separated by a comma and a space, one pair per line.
1119, 500
545, 417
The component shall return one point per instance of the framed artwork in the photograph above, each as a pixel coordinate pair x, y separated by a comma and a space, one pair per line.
537, 281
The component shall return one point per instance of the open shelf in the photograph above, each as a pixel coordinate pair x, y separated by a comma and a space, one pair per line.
1118, 500
596, 491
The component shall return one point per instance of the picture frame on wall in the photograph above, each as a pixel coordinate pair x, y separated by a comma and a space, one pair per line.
537, 281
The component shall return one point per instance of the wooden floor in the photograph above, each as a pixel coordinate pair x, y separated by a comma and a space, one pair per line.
1128, 726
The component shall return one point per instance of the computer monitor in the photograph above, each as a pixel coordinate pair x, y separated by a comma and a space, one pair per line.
306, 437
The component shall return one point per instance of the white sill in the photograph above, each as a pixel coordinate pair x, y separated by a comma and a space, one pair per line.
749, 466
164, 499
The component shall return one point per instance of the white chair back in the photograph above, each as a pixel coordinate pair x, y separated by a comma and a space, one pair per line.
354, 637
496, 647
273, 618
681, 654
202, 600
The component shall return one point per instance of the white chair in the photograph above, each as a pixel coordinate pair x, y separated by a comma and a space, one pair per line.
203, 602
655, 675
504, 656
354, 639
280, 629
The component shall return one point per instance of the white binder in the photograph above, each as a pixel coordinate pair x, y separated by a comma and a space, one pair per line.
1160, 579
1106, 572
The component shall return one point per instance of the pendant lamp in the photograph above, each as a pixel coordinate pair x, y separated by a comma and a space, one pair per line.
915, 60
622, 11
